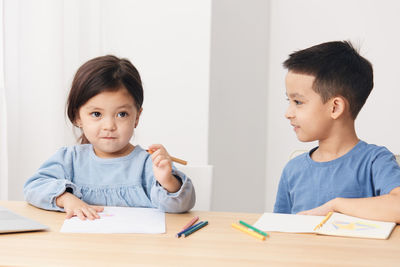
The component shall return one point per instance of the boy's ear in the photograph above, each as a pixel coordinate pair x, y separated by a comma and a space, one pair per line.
138, 116
338, 107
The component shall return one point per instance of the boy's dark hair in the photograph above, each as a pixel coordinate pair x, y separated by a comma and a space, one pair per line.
339, 70
100, 74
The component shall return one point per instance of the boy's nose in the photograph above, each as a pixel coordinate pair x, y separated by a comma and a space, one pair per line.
289, 113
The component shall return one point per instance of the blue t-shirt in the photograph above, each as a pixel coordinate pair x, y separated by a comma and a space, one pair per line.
124, 181
365, 171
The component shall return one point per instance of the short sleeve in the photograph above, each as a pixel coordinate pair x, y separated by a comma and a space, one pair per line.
385, 172
283, 203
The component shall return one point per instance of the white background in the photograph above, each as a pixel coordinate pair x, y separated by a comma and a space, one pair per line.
371, 25
176, 47
45, 43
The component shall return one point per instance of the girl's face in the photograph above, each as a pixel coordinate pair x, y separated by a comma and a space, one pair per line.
108, 120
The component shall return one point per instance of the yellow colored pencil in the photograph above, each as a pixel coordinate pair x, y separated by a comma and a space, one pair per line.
248, 231
324, 220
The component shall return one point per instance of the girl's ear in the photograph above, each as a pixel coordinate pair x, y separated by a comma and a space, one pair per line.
338, 107
78, 123
138, 116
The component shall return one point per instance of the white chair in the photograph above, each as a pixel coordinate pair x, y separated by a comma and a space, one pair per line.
201, 177
296, 153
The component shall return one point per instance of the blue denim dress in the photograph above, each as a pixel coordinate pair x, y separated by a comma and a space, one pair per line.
125, 181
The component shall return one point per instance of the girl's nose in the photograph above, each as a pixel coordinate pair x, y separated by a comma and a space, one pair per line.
109, 124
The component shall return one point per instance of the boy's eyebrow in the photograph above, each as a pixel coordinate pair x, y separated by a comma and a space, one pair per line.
295, 95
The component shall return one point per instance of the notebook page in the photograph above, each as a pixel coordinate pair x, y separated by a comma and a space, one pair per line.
345, 225
289, 223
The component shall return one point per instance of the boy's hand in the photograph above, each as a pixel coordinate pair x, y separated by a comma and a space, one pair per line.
321, 210
73, 206
162, 168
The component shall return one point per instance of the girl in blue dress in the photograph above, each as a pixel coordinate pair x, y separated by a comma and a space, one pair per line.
105, 102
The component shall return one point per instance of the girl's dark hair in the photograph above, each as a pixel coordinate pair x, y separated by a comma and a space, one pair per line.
101, 74
339, 70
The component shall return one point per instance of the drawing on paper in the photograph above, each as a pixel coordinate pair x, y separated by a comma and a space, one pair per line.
105, 214
354, 226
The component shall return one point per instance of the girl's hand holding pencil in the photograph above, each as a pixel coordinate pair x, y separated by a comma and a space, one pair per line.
180, 161
162, 168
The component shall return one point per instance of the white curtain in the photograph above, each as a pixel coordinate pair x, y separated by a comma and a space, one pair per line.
44, 43
3, 120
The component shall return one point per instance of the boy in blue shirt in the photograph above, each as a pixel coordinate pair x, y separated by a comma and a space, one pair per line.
326, 86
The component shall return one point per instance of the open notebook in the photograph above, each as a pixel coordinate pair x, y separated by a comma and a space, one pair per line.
336, 224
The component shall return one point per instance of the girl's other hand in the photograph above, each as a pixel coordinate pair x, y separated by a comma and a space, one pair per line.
73, 206
162, 168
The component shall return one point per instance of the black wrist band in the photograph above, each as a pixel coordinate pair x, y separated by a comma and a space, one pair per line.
69, 190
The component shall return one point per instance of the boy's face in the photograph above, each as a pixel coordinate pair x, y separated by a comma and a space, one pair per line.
308, 115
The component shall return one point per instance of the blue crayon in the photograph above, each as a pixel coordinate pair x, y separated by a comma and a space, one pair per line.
194, 229
191, 227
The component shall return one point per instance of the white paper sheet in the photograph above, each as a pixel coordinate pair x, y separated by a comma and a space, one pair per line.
119, 220
289, 223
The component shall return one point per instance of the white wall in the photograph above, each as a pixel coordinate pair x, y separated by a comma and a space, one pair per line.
169, 43
294, 25
46, 41
238, 100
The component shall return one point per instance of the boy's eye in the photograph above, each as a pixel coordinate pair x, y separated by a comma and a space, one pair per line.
297, 102
95, 114
122, 114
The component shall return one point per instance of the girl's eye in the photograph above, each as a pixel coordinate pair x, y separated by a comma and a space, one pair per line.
122, 114
95, 114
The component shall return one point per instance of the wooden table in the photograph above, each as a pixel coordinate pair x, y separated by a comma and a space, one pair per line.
218, 244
